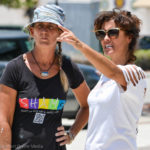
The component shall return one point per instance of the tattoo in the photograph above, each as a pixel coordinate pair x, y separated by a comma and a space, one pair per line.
78, 43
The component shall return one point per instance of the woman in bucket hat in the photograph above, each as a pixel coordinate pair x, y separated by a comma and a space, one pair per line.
34, 86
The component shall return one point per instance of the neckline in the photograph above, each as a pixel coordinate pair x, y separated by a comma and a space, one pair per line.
43, 73
36, 75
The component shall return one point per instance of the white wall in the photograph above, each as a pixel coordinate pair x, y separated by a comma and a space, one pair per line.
67, 1
10, 16
142, 13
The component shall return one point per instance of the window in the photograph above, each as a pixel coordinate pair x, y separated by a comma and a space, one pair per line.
7, 46
8, 49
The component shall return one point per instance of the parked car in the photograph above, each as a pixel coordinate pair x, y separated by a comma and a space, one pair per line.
144, 42
14, 42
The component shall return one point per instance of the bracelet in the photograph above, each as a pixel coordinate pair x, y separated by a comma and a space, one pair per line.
71, 135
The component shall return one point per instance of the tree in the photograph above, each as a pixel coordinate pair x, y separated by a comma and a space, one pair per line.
19, 3
29, 5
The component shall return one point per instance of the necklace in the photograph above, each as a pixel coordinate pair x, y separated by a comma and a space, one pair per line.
42, 72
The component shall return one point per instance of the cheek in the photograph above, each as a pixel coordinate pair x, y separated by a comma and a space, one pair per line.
54, 34
34, 34
58, 33
102, 44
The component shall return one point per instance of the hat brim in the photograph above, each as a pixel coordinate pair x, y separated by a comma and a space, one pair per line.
26, 27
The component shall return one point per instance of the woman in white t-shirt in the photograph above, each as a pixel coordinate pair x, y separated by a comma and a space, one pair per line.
116, 101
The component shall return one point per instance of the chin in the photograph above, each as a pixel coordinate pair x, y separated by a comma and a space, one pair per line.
44, 43
108, 53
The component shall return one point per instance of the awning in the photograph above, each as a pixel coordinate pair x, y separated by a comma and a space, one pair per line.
141, 4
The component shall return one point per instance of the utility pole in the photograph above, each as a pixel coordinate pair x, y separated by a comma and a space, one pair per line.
56, 2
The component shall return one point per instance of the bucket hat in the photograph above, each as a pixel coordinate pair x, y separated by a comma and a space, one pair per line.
48, 13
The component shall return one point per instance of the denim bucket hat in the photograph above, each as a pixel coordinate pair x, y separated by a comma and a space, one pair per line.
48, 13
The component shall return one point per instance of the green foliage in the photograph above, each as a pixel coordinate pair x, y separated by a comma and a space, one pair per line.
19, 3
30, 3
143, 58
11, 3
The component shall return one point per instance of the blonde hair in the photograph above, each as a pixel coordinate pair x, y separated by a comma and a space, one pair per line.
63, 76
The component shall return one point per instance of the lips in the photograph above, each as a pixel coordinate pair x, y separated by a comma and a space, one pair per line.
108, 46
44, 38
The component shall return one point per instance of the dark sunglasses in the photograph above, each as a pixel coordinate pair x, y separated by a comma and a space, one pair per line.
112, 33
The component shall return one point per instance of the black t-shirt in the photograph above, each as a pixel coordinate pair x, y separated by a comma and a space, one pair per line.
39, 104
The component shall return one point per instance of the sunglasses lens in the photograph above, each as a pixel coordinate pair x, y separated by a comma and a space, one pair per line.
113, 33
100, 34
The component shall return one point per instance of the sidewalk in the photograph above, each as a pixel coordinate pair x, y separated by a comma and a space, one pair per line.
144, 124
143, 136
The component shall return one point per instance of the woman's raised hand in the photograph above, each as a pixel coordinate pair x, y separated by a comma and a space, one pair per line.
69, 37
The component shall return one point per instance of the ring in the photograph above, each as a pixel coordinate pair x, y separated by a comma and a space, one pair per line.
65, 133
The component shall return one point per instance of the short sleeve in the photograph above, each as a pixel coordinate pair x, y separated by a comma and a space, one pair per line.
134, 73
9, 76
73, 73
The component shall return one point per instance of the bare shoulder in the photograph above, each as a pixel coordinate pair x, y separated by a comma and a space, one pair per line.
132, 74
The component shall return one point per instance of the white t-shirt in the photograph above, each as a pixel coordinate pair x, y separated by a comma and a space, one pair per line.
114, 113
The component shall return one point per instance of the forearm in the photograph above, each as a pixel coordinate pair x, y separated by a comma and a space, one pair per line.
5, 136
104, 65
100, 62
80, 121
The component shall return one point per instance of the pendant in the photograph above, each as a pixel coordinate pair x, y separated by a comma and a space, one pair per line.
44, 73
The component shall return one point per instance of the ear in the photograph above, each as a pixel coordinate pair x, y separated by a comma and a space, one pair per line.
31, 31
129, 38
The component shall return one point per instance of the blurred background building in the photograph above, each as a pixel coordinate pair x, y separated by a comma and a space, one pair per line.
79, 11
80, 15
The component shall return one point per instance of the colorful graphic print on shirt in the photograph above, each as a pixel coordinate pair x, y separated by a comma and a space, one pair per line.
41, 103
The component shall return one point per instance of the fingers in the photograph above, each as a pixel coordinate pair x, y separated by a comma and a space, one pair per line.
63, 137
66, 36
131, 76
135, 68
69, 41
135, 74
69, 37
63, 28
61, 128
140, 72
63, 140
63, 36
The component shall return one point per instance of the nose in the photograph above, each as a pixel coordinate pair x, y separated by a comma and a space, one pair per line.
44, 29
106, 38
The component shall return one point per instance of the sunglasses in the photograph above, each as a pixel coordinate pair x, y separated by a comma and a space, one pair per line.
112, 33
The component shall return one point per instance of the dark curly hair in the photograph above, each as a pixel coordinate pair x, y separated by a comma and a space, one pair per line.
126, 21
